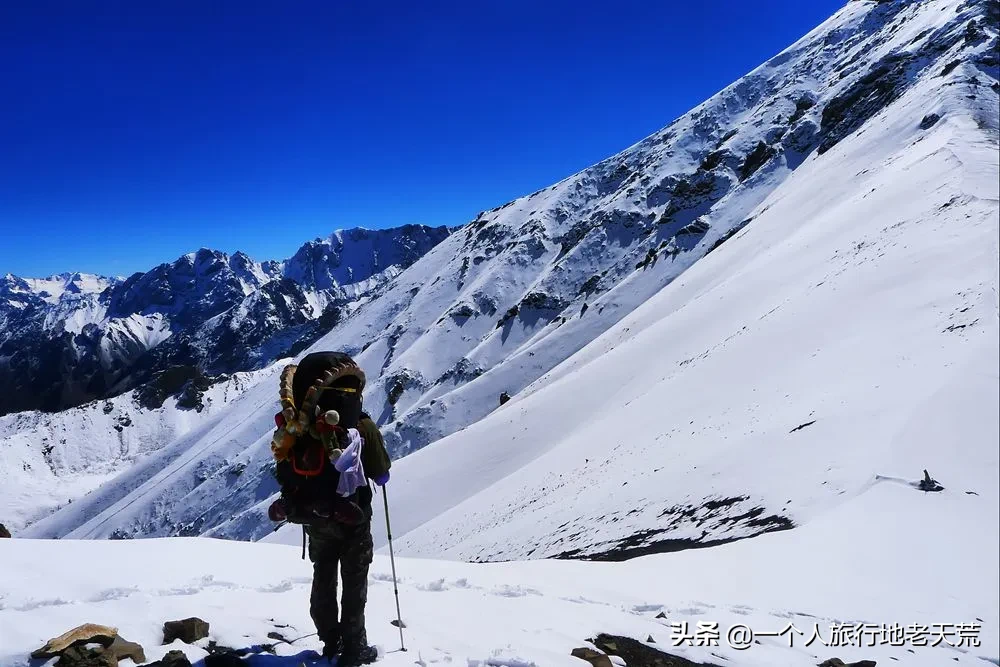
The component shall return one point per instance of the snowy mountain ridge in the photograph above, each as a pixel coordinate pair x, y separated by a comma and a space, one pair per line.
52, 288
71, 338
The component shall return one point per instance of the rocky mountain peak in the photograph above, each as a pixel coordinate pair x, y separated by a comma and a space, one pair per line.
223, 313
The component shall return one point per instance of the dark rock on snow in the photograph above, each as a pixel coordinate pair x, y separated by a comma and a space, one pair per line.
188, 630
637, 654
595, 658
3, 531
929, 121
122, 648
172, 659
81, 656
837, 662
929, 484
874, 91
756, 159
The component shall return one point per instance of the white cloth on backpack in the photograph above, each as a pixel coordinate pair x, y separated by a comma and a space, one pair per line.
348, 464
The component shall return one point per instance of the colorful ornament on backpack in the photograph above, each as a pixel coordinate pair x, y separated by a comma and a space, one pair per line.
291, 423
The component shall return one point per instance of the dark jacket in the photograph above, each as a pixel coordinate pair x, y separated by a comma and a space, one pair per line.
374, 459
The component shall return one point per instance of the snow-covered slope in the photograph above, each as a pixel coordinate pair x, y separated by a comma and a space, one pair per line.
68, 339
527, 614
521, 288
850, 331
847, 330
48, 461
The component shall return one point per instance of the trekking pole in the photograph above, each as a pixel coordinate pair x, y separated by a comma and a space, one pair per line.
392, 560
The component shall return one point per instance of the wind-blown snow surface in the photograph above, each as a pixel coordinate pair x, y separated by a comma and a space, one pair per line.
529, 614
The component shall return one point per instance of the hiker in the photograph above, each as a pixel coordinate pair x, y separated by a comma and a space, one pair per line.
327, 449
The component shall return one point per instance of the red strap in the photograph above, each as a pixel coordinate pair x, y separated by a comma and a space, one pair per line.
310, 473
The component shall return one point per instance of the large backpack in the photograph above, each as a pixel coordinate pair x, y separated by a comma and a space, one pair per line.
320, 400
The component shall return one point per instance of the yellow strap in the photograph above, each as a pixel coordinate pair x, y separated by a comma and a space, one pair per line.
349, 390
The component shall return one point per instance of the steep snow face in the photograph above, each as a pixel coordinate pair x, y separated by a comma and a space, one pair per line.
848, 296
48, 461
71, 338
849, 333
521, 288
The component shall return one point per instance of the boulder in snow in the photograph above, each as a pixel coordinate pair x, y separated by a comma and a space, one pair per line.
595, 658
929, 484
188, 630
172, 659
122, 648
636, 654
3, 531
837, 662
81, 656
88, 633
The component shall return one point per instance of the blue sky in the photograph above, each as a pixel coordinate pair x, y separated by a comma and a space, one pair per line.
133, 132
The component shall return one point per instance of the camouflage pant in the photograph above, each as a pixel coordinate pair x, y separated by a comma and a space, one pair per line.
351, 549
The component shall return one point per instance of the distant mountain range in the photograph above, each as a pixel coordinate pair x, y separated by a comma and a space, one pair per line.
72, 338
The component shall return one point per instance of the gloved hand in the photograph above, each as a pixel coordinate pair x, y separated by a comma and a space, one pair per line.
277, 512
382, 479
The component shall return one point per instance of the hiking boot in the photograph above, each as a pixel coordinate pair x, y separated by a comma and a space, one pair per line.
354, 656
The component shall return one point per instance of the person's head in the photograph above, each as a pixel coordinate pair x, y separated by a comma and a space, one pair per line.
333, 396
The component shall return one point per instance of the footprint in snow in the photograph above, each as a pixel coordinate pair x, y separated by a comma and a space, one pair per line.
113, 594
285, 585
184, 590
282, 587
196, 587
579, 599
35, 604
508, 591
208, 581
692, 611
646, 608
434, 586
498, 661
